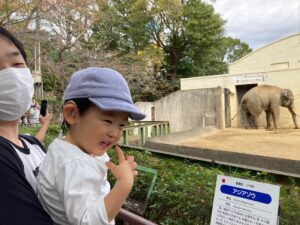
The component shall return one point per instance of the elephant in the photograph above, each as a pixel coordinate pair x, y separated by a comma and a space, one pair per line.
269, 99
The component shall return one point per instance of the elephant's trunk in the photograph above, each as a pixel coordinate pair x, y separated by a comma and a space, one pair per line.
294, 114
297, 114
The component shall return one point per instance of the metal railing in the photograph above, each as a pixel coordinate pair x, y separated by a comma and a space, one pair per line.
138, 206
130, 218
143, 129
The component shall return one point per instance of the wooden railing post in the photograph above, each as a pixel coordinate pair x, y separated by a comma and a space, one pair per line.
125, 137
154, 131
141, 134
168, 128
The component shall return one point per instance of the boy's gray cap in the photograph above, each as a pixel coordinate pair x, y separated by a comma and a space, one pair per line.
104, 87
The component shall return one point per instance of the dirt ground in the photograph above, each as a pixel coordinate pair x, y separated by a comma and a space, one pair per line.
281, 143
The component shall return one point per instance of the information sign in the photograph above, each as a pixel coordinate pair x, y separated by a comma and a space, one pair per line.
249, 79
244, 202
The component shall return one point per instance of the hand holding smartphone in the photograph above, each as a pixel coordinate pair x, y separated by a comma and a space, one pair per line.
43, 109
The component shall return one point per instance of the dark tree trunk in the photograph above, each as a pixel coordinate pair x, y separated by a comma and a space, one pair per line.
173, 65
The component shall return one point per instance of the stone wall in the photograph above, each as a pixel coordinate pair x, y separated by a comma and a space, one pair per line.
189, 109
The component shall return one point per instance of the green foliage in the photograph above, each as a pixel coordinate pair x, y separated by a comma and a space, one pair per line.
233, 49
122, 26
52, 132
188, 36
176, 38
48, 82
184, 190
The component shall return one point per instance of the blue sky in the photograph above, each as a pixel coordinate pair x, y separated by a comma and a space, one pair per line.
259, 22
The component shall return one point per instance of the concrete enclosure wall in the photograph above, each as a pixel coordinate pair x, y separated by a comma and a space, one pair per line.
146, 108
189, 109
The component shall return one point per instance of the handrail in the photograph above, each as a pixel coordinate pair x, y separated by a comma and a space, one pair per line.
137, 206
149, 170
131, 218
144, 123
156, 128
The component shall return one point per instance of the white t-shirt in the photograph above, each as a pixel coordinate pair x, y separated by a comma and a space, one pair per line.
72, 185
34, 114
31, 161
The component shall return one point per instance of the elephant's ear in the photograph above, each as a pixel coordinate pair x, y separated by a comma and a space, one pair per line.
287, 97
287, 93
284, 94
290, 93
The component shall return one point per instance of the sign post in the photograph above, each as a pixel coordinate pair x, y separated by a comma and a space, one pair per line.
244, 202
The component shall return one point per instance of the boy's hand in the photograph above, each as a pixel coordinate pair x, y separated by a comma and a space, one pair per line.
125, 171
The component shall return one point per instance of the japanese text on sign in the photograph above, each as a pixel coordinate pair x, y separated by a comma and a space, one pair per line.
250, 78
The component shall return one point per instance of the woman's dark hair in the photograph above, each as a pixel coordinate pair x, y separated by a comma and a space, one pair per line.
14, 40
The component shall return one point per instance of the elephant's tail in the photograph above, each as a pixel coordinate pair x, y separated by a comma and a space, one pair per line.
240, 109
235, 115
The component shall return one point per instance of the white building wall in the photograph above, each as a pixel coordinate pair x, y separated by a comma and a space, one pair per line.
145, 107
281, 54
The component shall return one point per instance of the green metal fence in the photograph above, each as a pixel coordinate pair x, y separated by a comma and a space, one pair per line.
139, 131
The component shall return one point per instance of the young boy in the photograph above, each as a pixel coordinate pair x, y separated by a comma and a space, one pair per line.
72, 181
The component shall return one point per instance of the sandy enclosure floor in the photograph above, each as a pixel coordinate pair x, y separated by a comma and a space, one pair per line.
281, 143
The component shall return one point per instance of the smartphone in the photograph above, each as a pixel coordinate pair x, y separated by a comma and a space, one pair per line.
43, 109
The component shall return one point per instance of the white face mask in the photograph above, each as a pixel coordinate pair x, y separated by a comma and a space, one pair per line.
16, 91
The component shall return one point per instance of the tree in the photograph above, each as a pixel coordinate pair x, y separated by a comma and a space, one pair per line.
182, 37
67, 22
122, 25
235, 49
17, 12
187, 32
140, 38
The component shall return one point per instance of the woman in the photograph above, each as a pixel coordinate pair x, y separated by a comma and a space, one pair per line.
34, 113
20, 155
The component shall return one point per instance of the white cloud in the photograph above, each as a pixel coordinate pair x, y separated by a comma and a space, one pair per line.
259, 22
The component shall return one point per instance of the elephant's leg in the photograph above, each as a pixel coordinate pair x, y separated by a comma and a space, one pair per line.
275, 112
268, 118
256, 121
293, 113
247, 116
254, 110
